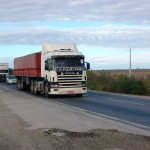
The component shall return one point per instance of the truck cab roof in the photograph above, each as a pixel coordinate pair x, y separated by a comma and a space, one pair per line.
60, 49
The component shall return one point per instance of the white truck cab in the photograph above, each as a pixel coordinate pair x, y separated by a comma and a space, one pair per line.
63, 69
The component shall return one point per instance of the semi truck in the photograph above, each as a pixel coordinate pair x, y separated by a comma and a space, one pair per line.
4, 71
59, 69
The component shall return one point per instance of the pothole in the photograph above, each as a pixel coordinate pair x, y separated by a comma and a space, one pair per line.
60, 132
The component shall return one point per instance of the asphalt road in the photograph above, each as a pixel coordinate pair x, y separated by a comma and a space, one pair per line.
130, 109
134, 110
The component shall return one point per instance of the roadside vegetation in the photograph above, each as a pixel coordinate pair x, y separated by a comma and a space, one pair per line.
118, 84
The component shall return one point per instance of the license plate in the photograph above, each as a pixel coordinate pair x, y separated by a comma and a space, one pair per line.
70, 92
70, 73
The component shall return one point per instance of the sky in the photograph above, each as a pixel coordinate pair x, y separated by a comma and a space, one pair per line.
103, 30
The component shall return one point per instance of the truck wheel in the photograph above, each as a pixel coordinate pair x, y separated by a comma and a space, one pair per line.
32, 87
21, 85
35, 89
79, 95
18, 84
46, 90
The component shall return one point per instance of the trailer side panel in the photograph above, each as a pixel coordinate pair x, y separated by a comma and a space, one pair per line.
29, 65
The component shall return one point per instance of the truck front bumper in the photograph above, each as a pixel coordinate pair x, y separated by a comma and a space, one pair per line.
67, 91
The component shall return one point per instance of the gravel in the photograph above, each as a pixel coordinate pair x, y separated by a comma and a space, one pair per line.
14, 135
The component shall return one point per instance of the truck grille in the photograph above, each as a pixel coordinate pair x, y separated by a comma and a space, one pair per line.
70, 81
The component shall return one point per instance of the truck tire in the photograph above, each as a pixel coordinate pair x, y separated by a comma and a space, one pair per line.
35, 89
21, 85
46, 90
18, 84
79, 95
32, 86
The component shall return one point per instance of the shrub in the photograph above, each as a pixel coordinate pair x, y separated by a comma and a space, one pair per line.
121, 84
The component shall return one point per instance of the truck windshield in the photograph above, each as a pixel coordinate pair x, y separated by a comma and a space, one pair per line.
69, 62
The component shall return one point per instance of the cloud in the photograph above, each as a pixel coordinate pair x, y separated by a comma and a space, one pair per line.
120, 61
134, 11
127, 22
80, 2
104, 36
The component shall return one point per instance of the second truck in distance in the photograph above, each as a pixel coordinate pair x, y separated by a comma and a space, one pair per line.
4, 71
59, 69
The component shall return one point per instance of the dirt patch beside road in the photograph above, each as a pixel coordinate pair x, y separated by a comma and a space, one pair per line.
15, 136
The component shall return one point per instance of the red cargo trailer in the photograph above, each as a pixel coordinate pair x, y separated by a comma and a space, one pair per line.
29, 65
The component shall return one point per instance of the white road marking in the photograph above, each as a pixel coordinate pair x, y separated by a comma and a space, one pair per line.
105, 116
126, 102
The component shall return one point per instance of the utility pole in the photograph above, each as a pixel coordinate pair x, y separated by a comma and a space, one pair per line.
130, 73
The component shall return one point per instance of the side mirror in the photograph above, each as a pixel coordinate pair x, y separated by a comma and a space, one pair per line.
87, 66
